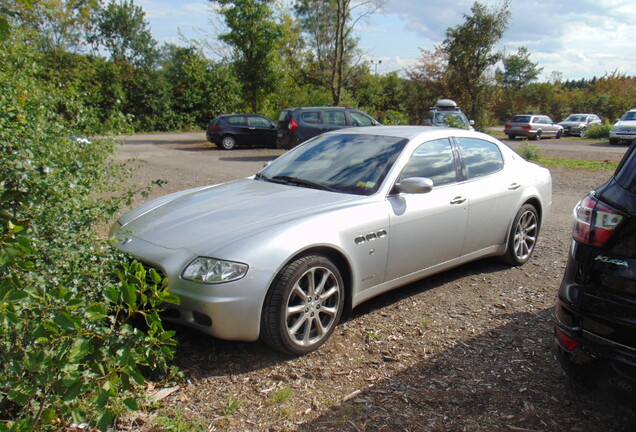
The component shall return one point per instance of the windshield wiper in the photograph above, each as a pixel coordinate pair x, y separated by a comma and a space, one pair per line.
297, 181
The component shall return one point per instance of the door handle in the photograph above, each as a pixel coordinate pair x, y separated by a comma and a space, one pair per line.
458, 200
514, 186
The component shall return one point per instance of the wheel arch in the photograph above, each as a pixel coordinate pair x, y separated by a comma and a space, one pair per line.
340, 261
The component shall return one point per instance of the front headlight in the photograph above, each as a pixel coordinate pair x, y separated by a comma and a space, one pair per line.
212, 271
113, 229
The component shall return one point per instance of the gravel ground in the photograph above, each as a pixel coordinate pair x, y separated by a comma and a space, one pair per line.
465, 350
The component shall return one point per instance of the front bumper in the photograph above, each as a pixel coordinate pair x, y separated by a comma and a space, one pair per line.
228, 310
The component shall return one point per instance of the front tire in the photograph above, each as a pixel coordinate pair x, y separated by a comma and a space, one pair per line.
523, 236
559, 134
613, 141
303, 306
583, 132
228, 142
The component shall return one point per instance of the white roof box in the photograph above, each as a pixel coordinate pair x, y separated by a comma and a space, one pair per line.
446, 104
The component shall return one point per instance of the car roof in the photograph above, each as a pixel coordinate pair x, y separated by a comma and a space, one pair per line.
411, 132
321, 108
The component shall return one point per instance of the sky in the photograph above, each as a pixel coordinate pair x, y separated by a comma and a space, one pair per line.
577, 38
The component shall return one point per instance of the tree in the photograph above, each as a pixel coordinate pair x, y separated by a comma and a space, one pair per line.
253, 36
470, 49
518, 70
329, 27
121, 29
428, 81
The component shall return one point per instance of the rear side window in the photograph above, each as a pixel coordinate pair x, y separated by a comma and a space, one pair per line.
334, 118
358, 119
283, 116
311, 117
434, 160
258, 121
520, 119
236, 120
480, 157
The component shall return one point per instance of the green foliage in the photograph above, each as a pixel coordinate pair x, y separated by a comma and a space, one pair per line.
529, 152
469, 47
231, 405
599, 131
253, 35
68, 347
518, 70
392, 117
595, 165
455, 123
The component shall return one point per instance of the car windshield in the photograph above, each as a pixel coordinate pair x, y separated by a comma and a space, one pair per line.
448, 118
575, 118
631, 115
346, 163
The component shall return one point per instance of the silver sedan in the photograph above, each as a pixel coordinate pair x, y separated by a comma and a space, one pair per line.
342, 218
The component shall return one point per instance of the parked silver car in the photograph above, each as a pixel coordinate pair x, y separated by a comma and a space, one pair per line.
341, 218
577, 124
532, 126
624, 129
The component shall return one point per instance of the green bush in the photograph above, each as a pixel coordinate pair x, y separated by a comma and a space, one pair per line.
68, 349
599, 131
529, 152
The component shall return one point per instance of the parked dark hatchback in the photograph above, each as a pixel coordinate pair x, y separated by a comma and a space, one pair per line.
297, 125
596, 306
231, 130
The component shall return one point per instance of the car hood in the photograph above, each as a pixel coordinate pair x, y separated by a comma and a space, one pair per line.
222, 213
625, 124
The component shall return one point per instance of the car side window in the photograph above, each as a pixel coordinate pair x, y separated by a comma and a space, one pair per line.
258, 121
311, 117
433, 160
480, 157
358, 119
236, 120
334, 118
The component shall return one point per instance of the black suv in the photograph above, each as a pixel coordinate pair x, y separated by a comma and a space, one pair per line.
596, 306
296, 125
231, 130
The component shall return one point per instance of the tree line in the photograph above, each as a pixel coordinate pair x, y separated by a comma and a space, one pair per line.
307, 55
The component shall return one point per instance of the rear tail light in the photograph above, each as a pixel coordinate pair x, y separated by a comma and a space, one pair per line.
528, 127
215, 128
292, 126
594, 222
507, 127
564, 340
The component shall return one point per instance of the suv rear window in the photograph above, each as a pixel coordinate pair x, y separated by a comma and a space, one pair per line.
626, 175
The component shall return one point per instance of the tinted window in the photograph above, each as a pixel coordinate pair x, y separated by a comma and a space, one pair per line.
626, 175
258, 121
480, 157
434, 160
236, 120
334, 118
311, 117
359, 119
520, 119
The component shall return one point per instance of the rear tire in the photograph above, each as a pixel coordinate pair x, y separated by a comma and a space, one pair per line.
523, 236
537, 136
303, 306
228, 142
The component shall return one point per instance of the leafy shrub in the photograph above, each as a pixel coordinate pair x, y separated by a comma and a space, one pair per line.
393, 117
529, 152
68, 349
599, 131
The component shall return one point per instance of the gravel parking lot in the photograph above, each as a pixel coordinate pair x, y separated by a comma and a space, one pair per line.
466, 350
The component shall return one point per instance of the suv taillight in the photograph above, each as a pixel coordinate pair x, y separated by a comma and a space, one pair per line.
215, 128
594, 222
292, 126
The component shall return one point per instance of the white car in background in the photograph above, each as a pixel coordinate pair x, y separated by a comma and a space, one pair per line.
624, 129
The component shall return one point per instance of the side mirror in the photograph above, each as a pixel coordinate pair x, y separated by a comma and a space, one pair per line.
471, 122
415, 185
